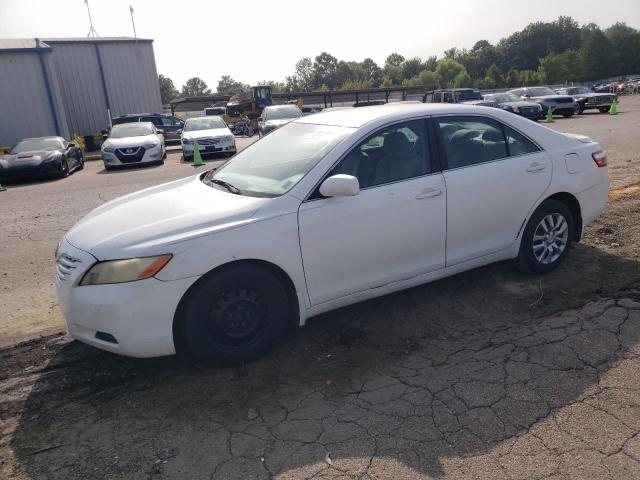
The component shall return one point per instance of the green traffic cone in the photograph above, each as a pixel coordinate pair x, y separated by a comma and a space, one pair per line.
614, 107
197, 158
2, 189
549, 118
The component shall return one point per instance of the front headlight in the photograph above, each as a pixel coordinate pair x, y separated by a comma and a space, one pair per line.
186, 141
128, 270
109, 149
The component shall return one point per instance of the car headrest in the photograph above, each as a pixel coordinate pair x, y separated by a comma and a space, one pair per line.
396, 143
462, 136
493, 135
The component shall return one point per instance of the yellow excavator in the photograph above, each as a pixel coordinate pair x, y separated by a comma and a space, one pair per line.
249, 103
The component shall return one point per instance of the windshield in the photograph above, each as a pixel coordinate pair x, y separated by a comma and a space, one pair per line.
277, 162
464, 95
204, 124
503, 97
131, 130
33, 144
282, 113
540, 91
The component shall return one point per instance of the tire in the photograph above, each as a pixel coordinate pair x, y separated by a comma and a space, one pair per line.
81, 164
187, 158
568, 114
535, 256
64, 169
234, 316
579, 109
108, 168
604, 109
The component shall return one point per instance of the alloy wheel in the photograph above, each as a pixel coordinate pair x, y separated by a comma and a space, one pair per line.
550, 238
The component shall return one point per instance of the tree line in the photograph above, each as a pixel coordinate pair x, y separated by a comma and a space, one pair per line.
541, 53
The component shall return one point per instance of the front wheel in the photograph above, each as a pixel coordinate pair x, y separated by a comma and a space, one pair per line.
234, 316
64, 169
579, 109
604, 109
568, 114
546, 238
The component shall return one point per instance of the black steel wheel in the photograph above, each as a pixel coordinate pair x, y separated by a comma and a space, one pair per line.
234, 316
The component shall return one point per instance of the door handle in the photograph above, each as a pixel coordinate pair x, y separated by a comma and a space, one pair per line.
429, 193
536, 167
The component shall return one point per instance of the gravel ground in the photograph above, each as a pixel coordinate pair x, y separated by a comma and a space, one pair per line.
488, 374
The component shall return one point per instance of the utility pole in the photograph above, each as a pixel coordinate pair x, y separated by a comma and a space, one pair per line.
92, 31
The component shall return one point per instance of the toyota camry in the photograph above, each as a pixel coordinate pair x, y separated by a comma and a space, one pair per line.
328, 210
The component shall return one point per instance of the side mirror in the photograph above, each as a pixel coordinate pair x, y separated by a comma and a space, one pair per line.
259, 119
72, 145
159, 132
340, 185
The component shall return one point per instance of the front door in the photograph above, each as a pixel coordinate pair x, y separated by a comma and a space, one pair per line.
394, 229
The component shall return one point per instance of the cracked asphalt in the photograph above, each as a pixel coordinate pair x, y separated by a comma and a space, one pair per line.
490, 374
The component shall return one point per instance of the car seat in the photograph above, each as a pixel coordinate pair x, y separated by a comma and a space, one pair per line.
399, 161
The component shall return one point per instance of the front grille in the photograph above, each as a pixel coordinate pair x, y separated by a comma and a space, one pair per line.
529, 109
208, 141
601, 99
65, 264
130, 155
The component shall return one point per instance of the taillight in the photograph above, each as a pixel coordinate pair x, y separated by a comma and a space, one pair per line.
600, 158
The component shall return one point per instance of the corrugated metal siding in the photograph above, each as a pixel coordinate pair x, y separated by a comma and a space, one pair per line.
24, 105
81, 87
63, 126
131, 77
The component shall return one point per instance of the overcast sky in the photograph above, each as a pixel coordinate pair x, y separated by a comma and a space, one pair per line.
262, 40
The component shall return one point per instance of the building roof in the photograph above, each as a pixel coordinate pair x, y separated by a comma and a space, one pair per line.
8, 45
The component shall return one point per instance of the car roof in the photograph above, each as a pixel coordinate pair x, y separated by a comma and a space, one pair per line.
51, 137
204, 116
356, 117
129, 124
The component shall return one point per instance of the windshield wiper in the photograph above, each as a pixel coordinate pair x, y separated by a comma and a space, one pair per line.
226, 185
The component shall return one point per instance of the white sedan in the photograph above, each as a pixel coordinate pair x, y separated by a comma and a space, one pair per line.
210, 133
133, 144
329, 210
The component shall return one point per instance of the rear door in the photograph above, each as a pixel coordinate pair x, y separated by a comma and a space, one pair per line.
494, 175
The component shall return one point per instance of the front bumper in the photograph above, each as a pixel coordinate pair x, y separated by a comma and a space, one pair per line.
137, 315
16, 171
150, 156
228, 147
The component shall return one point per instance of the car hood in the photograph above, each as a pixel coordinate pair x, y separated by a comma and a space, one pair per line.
129, 141
155, 220
33, 156
278, 123
520, 104
213, 132
557, 98
480, 103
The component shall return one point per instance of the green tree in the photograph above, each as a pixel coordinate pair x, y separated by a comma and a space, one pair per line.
626, 42
462, 80
560, 68
425, 77
597, 55
228, 86
168, 90
372, 71
512, 79
496, 75
195, 87
411, 67
304, 76
325, 68
447, 70
395, 59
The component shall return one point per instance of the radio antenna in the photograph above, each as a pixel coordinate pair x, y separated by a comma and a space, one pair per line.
92, 31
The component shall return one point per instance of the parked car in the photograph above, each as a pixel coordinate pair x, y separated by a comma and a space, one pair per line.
328, 210
275, 116
586, 99
133, 144
310, 110
467, 96
169, 124
514, 104
211, 134
560, 104
42, 156
217, 111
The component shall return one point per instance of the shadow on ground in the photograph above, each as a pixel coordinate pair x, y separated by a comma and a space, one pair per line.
412, 385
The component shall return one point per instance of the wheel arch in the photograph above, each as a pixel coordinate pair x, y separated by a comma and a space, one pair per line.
572, 204
282, 276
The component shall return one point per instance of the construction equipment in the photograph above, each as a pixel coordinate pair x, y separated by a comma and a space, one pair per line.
249, 103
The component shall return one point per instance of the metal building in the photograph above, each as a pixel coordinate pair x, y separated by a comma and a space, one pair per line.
69, 86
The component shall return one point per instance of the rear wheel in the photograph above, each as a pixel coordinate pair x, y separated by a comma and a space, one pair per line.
579, 108
546, 238
568, 114
604, 109
234, 316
